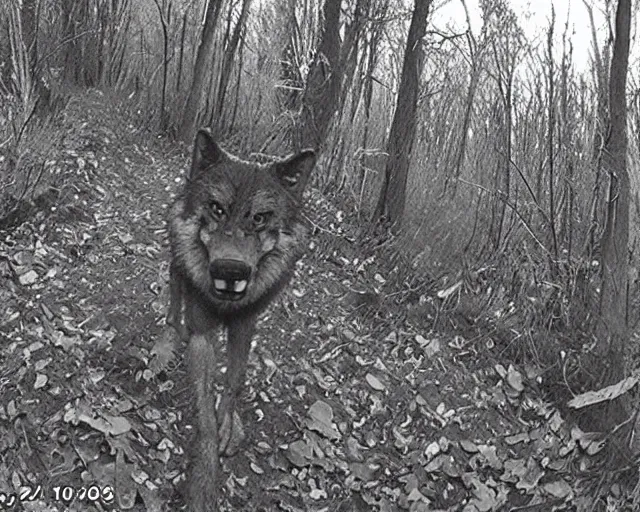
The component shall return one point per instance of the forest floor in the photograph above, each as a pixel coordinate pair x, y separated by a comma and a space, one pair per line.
352, 403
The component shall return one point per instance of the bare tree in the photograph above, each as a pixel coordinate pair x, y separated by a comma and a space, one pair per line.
375, 36
183, 33
476, 55
601, 62
351, 46
165, 60
29, 14
550, 137
72, 12
612, 333
20, 80
321, 94
19, 48
392, 197
190, 118
507, 43
115, 42
5, 53
292, 56
230, 50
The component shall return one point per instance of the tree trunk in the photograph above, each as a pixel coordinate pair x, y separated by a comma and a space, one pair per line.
237, 88
290, 59
202, 66
182, 34
612, 333
72, 50
367, 87
350, 49
390, 207
321, 94
6, 67
117, 44
165, 62
29, 14
30, 30
229, 56
597, 199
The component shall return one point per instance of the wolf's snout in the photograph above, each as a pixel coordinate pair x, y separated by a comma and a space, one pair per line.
230, 278
230, 270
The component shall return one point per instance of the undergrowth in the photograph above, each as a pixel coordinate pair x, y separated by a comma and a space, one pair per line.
31, 139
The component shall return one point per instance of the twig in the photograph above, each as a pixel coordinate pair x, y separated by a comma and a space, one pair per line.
513, 209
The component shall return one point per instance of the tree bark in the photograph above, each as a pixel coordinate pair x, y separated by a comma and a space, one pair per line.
290, 59
6, 67
30, 30
165, 62
612, 333
350, 49
321, 94
391, 202
71, 12
601, 58
229, 56
202, 66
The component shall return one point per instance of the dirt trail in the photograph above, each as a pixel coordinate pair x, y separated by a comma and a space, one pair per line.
349, 405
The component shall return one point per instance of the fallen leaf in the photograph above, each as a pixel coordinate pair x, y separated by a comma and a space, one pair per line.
321, 420
374, 382
105, 423
28, 278
432, 450
517, 438
604, 394
469, 446
558, 489
41, 381
299, 453
257, 469
365, 471
514, 379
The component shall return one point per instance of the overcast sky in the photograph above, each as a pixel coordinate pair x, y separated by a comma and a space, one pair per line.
534, 16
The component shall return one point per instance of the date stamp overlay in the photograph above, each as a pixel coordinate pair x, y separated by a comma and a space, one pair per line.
60, 493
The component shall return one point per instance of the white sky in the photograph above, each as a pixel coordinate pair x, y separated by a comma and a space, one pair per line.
534, 17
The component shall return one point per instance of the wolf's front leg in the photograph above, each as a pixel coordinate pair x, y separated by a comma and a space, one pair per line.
175, 318
238, 346
205, 464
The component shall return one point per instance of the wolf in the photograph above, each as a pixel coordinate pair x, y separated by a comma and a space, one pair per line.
235, 234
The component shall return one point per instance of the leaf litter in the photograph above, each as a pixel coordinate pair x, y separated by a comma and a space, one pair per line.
352, 406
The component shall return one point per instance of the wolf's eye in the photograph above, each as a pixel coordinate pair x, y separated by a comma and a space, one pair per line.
216, 209
260, 219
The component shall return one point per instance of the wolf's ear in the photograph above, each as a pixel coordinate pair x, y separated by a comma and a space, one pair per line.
293, 172
206, 152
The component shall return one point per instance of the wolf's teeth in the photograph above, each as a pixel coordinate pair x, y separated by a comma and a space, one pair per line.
239, 286
220, 284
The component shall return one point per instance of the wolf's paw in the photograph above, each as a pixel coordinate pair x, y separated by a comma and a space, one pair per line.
231, 433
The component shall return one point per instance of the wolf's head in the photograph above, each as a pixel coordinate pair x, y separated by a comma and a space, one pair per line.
235, 232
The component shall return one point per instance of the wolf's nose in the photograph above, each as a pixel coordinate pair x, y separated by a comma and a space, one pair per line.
229, 270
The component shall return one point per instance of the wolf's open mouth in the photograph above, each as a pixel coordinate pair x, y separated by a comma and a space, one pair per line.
230, 278
229, 289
